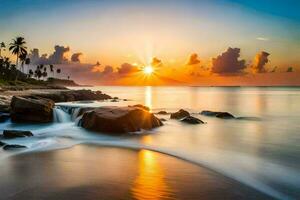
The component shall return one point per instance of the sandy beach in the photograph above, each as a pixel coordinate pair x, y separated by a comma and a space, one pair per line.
93, 172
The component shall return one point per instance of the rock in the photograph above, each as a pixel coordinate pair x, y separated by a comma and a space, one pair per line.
163, 119
113, 119
223, 115
2, 143
141, 106
162, 113
74, 95
4, 117
38, 110
192, 120
114, 100
13, 147
9, 134
249, 118
180, 114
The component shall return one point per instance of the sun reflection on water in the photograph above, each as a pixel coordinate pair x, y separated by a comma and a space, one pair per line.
150, 183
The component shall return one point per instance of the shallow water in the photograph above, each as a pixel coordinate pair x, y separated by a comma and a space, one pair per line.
263, 154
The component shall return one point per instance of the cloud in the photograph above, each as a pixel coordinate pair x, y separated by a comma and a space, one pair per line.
76, 57
290, 69
260, 60
58, 55
228, 62
108, 70
156, 62
262, 39
127, 68
193, 59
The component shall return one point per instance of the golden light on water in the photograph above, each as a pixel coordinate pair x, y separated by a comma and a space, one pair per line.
150, 183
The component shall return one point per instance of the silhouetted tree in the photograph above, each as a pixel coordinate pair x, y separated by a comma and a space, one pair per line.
18, 48
2, 46
52, 69
30, 73
58, 71
24, 61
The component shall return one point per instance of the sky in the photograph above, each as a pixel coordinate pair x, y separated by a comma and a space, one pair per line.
209, 42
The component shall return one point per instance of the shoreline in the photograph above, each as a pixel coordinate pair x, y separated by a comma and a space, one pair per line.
93, 153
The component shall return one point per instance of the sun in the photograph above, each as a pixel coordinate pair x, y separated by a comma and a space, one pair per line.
148, 70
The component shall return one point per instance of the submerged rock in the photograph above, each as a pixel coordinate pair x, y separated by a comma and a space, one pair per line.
9, 134
13, 147
113, 119
180, 114
223, 115
249, 118
192, 120
38, 110
162, 112
4, 117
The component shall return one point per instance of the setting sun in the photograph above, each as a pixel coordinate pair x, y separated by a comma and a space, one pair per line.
148, 70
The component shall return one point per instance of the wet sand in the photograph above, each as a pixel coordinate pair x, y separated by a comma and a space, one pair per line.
93, 172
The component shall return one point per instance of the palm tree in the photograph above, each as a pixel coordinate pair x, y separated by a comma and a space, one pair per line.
58, 71
24, 60
52, 69
2, 46
18, 48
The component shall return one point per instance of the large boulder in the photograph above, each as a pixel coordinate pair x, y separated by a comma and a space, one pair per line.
38, 110
180, 114
192, 120
223, 115
9, 134
112, 119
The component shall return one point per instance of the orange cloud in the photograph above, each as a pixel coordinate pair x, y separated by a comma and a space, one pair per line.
193, 59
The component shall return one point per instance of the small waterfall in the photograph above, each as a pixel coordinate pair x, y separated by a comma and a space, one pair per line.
60, 115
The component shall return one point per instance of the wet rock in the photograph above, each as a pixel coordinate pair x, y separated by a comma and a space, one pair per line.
13, 147
37, 110
114, 100
4, 117
192, 120
249, 118
9, 134
223, 115
74, 95
163, 119
2, 143
162, 112
180, 114
141, 106
113, 119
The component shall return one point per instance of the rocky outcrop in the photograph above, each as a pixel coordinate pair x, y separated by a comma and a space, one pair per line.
9, 134
13, 147
37, 110
223, 115
192, 120
2, 143
180, 114
74, 95
112, 119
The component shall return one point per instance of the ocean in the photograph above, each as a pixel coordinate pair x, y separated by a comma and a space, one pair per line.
261, 150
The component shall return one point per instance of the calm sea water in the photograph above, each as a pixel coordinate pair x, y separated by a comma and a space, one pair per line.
263, 154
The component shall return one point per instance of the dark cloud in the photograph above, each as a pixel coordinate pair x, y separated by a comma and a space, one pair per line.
156, 62
127, 68
76, 57
260, 60
290, 69
107, 70
228, 62
193, 59
57, 57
